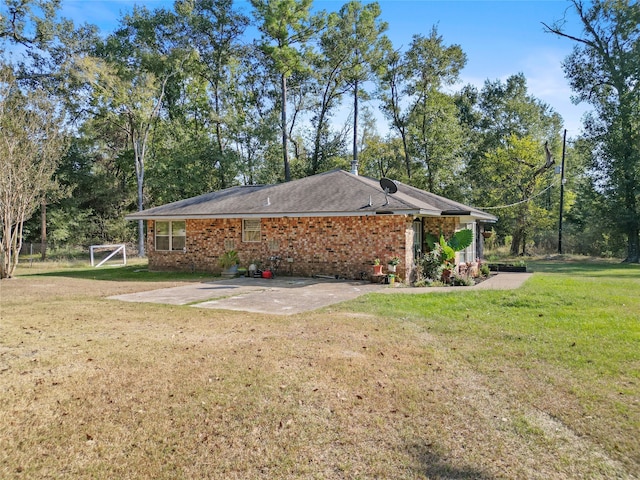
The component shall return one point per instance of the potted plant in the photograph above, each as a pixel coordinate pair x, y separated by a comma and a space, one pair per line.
392, 264
377, 268
229, 261
445, 251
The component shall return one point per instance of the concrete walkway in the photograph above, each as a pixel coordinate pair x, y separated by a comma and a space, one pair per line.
498, 281
287, 295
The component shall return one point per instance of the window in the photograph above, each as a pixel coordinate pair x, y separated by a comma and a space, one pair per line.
468, 254
171, 236
417, 238
251, 230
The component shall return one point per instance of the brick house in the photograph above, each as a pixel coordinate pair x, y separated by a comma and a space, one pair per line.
333, 223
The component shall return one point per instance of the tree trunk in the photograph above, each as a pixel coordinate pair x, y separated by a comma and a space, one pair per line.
354, 164
407, 158
43, 236
141, 238
138, 153
400, 126
516, 241
4, 254
285, 152
633, 246
140, 178
631, 207
11, 245
315, 158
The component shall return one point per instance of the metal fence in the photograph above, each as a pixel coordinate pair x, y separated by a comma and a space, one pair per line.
34, 251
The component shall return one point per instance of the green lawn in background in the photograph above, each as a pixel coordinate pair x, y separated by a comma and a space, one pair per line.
572, 332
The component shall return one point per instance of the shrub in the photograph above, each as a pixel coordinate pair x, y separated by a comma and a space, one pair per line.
484, 270
432, 263
229, 259
462, 280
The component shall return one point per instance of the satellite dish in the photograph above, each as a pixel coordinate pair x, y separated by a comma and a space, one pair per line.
388, 185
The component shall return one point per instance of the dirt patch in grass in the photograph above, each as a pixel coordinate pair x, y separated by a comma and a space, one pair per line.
93, 388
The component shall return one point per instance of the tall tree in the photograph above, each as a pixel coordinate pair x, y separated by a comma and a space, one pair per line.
286, 27
129, 77
510, 164
604, 70
31, 145
411, 93
330, 67
215, 30
359, 33
586, 230
45, 61
435, 144
519, 171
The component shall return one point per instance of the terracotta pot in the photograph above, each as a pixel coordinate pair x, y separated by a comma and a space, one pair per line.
377, 269
446, 274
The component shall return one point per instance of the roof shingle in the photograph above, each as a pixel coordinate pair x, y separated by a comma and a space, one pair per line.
333, 193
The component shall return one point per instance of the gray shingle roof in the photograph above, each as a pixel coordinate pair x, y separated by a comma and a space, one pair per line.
333, 193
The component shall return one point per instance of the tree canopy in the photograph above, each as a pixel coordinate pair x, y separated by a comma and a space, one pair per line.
604, 70
175, 102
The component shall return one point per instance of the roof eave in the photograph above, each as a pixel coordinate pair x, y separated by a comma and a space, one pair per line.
361, 213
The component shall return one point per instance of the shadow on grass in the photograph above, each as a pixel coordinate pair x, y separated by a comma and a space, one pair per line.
128, 273
432, 465
586, 269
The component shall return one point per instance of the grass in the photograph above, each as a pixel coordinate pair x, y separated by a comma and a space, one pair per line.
136, 270
541, 383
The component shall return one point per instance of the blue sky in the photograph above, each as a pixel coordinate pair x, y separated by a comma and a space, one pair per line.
500, 38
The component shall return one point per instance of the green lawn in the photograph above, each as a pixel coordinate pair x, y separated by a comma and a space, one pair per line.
573, 329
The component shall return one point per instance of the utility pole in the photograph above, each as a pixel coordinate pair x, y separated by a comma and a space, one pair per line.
564, 144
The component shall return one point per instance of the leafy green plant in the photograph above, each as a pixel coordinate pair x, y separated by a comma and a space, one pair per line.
393, 261
458, 241
442, 253
484, 270
432, 264
462, 280
229, 259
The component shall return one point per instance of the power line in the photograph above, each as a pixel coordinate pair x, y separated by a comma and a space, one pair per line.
521, 201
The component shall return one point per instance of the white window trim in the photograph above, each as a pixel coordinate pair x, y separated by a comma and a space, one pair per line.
170, 222
471, 249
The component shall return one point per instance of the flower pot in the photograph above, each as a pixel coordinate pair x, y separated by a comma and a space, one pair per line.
446, 275
377, 269
487, 234
391, 268
230, 272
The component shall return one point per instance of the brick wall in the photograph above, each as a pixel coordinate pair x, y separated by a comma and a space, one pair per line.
344, 246
435, 225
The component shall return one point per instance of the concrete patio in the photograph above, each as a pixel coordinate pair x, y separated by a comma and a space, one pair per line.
289, 295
